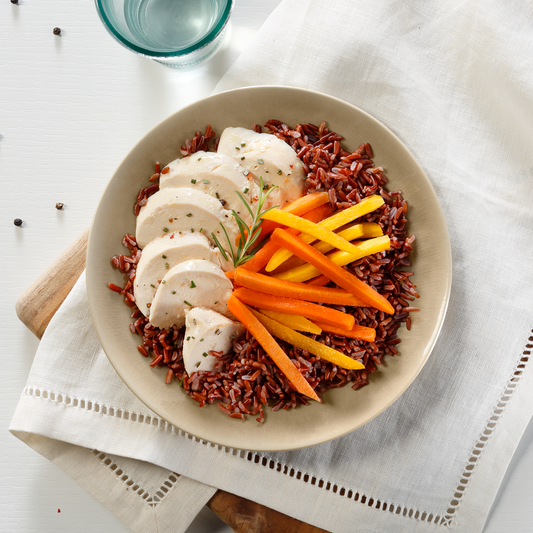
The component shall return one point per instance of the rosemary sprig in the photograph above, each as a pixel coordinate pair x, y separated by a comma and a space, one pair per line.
249, 237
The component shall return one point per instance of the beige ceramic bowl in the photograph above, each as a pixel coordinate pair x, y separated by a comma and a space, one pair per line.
344, 410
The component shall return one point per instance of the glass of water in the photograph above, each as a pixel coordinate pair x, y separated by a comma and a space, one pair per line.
178, 33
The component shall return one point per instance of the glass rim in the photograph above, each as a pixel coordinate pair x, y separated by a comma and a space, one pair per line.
209, 38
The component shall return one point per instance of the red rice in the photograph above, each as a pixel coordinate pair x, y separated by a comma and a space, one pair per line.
249, 379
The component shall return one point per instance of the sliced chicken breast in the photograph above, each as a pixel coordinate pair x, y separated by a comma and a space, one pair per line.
163, 253
216, 174
266, 156
207, 331
196, 283
186, 211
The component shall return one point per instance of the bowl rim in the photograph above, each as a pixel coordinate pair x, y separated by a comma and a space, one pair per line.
447, 260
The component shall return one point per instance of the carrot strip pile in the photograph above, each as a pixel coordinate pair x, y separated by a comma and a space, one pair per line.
295, 298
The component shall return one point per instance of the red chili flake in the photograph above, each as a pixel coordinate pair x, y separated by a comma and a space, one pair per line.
59, 510
172, 236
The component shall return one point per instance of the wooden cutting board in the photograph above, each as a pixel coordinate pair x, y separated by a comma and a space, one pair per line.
36, 307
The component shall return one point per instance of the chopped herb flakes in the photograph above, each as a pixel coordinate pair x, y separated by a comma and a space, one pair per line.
164, 281
215, 302
152, 285
188, 338
167, 266
199, 159
207, 182
173, 292
243, 158
260, 161
165, 229
237, 148
279, 172
243, 144
246, 190
164, 256
201, 340
187, 303
246, 172
218, 332
217, 195
197, 364
193, 181
205, 354
193, 285
189, 214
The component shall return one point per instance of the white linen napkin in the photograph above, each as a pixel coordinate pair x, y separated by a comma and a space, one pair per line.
455, 83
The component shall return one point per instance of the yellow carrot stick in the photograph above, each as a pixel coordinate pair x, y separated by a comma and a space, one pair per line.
357, 231
310, 228
299, 323
307, 271
305, 343
365, 206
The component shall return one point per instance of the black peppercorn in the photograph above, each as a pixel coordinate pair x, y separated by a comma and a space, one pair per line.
57, 31
17, 222
59, 205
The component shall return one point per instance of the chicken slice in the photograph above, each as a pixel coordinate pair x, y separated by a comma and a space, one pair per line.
185, 211
195, 283
163, 253
216, 174
266, 156
207, 331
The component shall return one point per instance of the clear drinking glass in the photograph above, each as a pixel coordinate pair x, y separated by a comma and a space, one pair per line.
178, 33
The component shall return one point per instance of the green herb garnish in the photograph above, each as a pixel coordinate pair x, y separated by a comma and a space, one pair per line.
193, 181
187, 303
193, 285
189, 214
249, 236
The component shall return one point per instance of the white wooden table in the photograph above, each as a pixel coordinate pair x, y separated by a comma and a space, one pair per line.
71, 106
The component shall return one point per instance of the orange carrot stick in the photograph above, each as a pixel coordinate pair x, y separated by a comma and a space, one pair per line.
295, 289
319, 281
230, 274
357, 332
335, 273
271, 347
262, 257
292, 306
